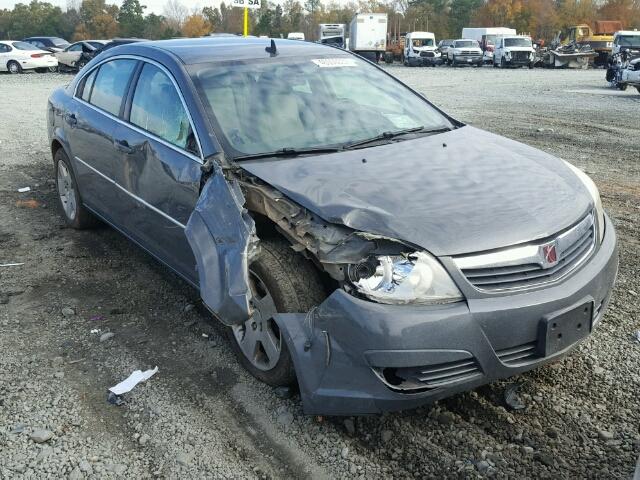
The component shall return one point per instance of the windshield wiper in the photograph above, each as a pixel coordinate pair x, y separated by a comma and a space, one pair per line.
289, 152
393, 134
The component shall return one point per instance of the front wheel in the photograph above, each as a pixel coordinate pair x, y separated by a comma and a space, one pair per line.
53, 69
14, 67
281, 281
81, 64
503, 64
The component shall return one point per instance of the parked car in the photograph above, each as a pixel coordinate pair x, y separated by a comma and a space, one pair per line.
359, 240
420, 50
49, 44
116, 42
514, 51
78, 54
16, 57
465, 52
444, 45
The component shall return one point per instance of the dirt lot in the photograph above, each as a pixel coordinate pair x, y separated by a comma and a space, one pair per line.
203, 416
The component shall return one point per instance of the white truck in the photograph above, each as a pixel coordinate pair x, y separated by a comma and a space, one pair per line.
514, 51
626, 40
420, 49
487, 38
368, 35
332, 34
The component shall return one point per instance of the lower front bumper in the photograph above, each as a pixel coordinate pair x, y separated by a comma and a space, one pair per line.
424, 61
338, 347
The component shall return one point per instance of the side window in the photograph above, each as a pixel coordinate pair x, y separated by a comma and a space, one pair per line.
3, 48
87, 85
111, 84
157, 108
76, 48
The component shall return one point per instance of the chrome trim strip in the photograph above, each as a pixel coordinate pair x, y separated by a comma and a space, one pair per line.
525, 254
142, 201
199, 159
529, 254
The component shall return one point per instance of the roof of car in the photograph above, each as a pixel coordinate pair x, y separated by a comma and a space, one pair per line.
201, 50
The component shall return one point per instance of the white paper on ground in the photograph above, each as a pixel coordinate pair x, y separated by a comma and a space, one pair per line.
133, 379
24, 189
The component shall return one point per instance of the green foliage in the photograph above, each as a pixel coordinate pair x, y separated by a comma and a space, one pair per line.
131, 19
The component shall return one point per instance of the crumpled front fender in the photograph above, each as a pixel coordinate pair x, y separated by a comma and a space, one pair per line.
222, 236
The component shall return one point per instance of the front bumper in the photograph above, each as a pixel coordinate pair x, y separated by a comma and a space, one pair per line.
468, 59
338, 347
424, 61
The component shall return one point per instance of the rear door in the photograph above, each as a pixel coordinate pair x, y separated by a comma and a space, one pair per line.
90, 126
4, 56
158, 167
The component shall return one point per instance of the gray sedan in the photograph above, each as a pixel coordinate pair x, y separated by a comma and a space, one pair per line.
352, 238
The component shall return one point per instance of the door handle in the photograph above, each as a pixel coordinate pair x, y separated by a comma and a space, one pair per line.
71, 119
123, 146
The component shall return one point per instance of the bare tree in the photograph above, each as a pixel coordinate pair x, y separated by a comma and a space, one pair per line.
175, 13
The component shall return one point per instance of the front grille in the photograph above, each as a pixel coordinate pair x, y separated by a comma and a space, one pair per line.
427, 54
519, 354
470, 53
429, 376
519, 56
488, 272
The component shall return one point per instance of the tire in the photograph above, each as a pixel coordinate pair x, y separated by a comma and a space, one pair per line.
81, 64
621, 86
503, 64
293, 284
13, 67
530, 65
53, 69
453, 62
74, 213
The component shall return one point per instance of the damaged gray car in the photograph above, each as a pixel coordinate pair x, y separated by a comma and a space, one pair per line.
352, 238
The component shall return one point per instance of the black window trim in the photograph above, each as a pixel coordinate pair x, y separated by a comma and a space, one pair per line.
77, 91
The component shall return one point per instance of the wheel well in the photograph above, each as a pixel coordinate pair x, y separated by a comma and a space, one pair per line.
266, 228
55, 146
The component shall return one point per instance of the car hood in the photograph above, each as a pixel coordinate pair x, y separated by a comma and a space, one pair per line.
458, 192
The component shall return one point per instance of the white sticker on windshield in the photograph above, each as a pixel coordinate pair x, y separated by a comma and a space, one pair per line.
334, 62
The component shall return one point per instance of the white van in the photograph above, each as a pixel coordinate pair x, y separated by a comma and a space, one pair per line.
514, 51
420, 49
487, 38
626, 39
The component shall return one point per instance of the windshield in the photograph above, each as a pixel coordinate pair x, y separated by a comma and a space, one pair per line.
466, 44
292, 103
422, 42
24, 46
629, 40
60, 42
517, 42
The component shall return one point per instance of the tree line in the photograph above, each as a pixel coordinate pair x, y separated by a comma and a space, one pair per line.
84, 19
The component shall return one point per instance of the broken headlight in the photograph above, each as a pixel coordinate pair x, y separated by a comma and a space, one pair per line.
417, 278
595, 195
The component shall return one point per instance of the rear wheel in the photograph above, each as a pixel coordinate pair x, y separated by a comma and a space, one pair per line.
14, 67
281, 281
75, 214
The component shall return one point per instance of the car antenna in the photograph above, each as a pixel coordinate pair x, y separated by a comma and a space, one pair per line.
272, 49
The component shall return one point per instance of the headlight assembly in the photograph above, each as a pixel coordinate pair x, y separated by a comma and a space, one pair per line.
595, 195
417, 278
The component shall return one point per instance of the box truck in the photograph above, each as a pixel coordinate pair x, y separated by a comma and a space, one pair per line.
368, 35
332, 34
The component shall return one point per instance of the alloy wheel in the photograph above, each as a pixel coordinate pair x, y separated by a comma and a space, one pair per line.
259, 338
66, 191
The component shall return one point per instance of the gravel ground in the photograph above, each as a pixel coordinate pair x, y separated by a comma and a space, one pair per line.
201, 415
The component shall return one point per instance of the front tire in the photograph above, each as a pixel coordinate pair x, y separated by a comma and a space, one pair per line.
74, 213
282, 281
14, 67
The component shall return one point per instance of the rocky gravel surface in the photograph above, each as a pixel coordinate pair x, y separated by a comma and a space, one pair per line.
87, 308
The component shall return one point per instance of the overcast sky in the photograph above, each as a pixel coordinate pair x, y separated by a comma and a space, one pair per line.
153, 6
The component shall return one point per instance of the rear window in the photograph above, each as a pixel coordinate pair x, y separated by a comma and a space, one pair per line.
87, 85
466, 44
60, 42
23, 46
111, 85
